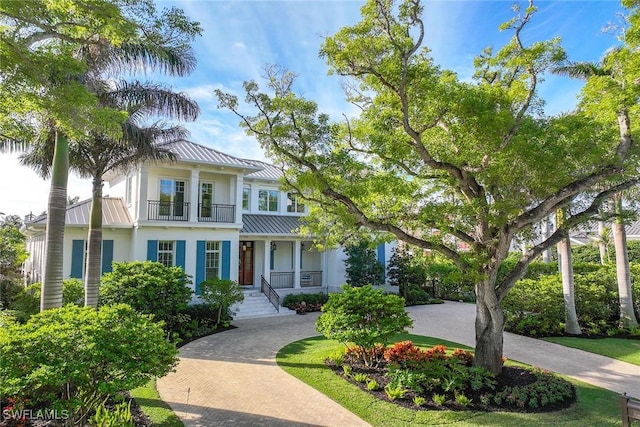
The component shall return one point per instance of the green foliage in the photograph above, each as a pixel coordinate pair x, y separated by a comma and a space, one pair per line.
13, 253
199, 320
419, 400
439, 399
221, 293
27, 302
373, 385
546, 390
462, 400
74, 358
363, 316
360, 377
119, 417
362, 265
394, 393
292, 301
149, 288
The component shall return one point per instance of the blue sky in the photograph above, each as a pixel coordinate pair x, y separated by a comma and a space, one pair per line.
241, 36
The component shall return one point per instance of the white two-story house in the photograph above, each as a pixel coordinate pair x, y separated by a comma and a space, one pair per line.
210, 213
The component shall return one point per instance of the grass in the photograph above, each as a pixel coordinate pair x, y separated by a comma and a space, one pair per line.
626, 350
305, 360
158, 412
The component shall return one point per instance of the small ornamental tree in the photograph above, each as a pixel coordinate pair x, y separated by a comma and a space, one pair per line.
75, 358
363, 316
149, 288
362, 265
221, 293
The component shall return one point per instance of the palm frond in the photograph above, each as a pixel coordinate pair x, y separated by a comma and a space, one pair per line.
581, 70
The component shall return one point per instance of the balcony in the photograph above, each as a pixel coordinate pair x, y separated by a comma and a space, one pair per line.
167, 211
216, 213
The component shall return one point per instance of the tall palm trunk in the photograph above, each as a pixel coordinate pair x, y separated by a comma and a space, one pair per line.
627, 316
94, 247
602, 247
546, 255
51, 295
571, 325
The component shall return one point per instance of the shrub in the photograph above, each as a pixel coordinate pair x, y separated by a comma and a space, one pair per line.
221, 293
439, 399
293, 301
362, 265
74, 358
546, 390
394, 393
404, 354
465, 357
363, 316
150, 288
202, 321
27, 302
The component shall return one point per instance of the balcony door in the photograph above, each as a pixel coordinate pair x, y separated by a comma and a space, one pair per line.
245, 268
172, 197
206, 199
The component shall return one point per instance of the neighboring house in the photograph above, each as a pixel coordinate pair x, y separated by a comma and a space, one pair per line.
587, 233
210, 213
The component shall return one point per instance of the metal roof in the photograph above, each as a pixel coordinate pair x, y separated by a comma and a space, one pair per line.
270, 224
191, 152
114, 213
267, 171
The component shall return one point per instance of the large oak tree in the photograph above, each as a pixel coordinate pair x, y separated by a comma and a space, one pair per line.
435, 161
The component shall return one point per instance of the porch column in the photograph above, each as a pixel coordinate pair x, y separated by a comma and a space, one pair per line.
239, 184
296, 264
266, 268
143, 199
323, 267
194, 183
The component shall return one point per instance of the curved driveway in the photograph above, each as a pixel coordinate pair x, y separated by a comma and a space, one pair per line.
232, 379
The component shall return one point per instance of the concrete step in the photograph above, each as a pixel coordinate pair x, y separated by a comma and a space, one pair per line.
256, 304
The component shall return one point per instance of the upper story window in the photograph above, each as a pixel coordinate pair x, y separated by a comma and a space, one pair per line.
128, 195
246, 198
206, 199
268, 200
166, 253
172, 197
294, 204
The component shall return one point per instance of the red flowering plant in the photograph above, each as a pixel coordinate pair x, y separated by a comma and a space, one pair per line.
405, 354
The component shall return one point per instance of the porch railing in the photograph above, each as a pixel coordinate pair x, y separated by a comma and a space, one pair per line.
310, 278
284, 279
272, 295
167, 211
216, 213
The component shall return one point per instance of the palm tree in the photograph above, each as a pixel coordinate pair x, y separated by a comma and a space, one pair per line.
609, 68
98, 153
571, 325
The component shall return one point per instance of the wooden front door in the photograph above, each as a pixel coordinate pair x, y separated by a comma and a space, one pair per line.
245, 273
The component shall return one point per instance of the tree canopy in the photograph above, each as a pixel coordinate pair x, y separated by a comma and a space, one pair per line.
458, 167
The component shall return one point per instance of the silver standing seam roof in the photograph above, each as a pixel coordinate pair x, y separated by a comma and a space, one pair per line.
188, 151
114, 213
270, 224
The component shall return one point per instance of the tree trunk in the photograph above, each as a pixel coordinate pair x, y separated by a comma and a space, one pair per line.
546, 255
602, 247
489, 328
566, 268
627, 316
51, 295
94, 247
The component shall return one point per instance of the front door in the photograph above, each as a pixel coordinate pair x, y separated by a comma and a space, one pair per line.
245, 273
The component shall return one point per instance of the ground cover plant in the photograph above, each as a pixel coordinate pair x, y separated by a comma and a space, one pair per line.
305, 360
312, 302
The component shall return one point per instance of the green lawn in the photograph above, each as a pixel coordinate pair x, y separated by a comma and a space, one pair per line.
305, 360
626, 350
158, 412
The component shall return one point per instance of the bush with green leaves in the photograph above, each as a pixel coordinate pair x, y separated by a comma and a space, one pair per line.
362, 265
292, 301
27, 302
363, 316
73, 358
221, 294
150, 288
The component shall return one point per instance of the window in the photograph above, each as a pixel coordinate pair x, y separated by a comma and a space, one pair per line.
206, 199
212, 260
246, 198
128, 195
172, 197
293, 204
268, 200
165, 252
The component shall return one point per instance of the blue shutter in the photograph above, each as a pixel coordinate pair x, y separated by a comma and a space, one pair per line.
382, 260
107, 255
77, 258
271, 259
226, 259
152, 250
200, 264
180, 253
